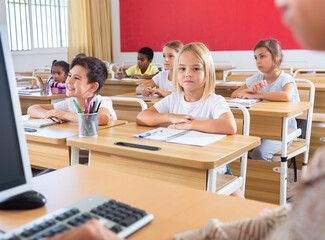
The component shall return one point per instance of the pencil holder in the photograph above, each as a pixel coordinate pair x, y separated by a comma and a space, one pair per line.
88, 124
45, 89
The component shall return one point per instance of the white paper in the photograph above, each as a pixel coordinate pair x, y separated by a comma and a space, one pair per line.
187, 137
37, 123
244, 101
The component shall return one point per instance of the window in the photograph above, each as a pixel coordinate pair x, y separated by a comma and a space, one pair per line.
37, 24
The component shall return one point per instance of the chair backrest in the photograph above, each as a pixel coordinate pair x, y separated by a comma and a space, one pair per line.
122, 106
236, 75
26, 81
316, 75
44, 72
309, 97
287, 68
223, 63
243, 124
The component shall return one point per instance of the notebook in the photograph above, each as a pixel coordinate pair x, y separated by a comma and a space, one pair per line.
153, 96
38, 123
126, 79
245, 102
187, 137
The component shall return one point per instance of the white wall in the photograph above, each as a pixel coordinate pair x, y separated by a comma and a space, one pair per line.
26, 61
240, 59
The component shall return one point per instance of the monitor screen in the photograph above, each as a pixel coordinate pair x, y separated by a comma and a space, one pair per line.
14, 173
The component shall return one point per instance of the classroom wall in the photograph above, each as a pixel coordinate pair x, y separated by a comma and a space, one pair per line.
26, 61
240, 59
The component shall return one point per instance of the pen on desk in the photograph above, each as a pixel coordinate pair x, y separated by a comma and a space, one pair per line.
141, 84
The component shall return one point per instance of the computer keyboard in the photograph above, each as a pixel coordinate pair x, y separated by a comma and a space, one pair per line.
119, 217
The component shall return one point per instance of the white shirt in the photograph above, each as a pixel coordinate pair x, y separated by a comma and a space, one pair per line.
161, 80
68, 105
211, 108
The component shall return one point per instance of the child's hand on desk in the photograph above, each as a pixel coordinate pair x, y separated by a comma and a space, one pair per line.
246, 95
92, 230
181, 126
180, 118
146, 91
258, 86
159, 92
136, 76
54, 115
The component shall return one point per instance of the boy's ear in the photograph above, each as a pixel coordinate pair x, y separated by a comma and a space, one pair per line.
150, 60
94, 86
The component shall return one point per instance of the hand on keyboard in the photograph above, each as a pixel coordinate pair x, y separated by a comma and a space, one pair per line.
92, 230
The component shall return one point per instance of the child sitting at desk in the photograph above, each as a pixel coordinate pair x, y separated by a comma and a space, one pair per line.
85, 79
144, 69
59, 74
193, 105
164, 78
273, 85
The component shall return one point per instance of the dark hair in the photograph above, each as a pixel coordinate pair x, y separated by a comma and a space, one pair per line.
147, 51
63, 64
97, 71
80, 55
273, 46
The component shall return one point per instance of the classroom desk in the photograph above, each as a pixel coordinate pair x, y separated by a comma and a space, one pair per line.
129, 110
226, 89
176, 209
182, 164
47, 147
36, 98
112, 88
220, 70
267, 118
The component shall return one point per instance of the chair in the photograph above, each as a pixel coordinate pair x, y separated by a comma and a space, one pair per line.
124, 114
287, 68
308, 70
298, 146
232, 183
238, 75
223, 63
44, 72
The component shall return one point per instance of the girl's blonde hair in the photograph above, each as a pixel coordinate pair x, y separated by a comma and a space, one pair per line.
176, 45
201, 52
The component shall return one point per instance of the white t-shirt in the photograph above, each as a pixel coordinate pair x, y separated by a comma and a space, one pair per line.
68, 105
211, 108
161, 80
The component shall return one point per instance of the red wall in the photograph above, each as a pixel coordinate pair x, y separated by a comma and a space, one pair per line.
220, 24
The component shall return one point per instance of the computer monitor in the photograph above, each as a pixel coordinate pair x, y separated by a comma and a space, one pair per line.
15, 170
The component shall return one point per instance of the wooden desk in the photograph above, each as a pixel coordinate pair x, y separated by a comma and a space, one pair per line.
36, 98
176, 209
112, 88
129, 110
267, 118
182, 164
220, 71
47, 147
319, 104
225, 89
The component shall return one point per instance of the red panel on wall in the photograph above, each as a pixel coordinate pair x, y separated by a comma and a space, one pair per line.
220, 24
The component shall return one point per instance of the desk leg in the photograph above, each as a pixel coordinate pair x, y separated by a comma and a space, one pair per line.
212, 180
284, 166
74, 155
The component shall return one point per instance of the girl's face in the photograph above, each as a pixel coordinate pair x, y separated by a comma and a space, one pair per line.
77, 83
191, 73
58, 74
169, 56
264, 61
307, 20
